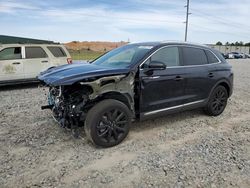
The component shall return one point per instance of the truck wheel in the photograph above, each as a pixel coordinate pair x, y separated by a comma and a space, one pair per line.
217, 101
107, 123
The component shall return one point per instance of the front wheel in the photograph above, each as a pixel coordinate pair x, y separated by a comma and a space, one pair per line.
217, 101
107, 123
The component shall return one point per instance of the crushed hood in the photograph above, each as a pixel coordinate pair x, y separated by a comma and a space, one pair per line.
69, 74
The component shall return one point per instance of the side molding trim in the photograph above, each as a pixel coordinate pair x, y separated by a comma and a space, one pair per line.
173, 107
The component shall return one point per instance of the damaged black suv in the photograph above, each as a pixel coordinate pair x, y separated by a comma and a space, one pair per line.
137, 81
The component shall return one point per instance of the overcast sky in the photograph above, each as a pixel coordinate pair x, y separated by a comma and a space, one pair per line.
116, 20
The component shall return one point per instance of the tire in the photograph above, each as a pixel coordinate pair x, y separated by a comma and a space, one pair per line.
217, 101
107, 123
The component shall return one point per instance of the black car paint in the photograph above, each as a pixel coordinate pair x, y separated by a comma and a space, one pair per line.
182, 85
162, 89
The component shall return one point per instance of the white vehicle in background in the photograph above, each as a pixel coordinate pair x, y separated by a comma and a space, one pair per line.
21, 63
244, 55
234, 55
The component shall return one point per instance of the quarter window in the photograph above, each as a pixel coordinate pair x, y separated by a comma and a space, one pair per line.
10, 53
194, 56
35, 52
211, 57
57, 51
169, 56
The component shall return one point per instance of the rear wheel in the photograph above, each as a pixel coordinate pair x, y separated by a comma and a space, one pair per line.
107, 123
217, 101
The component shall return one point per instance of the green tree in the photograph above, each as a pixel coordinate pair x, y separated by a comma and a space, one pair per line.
219, 43
247, 44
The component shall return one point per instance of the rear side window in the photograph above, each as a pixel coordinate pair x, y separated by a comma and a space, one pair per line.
10, 53
35, 52
169, 56
211, 57
194, 56
57, 51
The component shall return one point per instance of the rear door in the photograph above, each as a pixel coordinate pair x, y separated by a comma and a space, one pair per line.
162, 88
11, 64
36, 60
214, 73
200, 74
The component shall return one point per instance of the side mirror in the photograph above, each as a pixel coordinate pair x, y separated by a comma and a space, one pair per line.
156, 65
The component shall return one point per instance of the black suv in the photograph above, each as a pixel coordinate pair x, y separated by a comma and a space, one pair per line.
137, 81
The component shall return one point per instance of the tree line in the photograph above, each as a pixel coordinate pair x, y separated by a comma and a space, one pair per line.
234, 44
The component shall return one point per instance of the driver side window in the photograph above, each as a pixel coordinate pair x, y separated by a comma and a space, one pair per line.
168, 55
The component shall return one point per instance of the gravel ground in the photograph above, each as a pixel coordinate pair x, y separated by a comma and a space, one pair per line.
188, 149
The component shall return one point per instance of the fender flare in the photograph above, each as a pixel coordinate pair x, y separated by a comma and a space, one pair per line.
222, 81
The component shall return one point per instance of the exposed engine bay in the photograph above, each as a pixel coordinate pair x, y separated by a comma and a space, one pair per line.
67, 104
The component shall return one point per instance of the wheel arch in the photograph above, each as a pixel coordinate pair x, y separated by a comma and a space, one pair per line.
226, 85
122, 97
223, 83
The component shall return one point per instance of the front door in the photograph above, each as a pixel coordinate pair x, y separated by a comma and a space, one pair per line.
162, 89
11, 64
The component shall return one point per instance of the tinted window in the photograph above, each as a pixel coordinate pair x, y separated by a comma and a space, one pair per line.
57, 51
211, 57
10, 53
35, 52
194, 56
169, 56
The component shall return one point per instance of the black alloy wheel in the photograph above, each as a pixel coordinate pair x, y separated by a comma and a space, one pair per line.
112, 125
107, 123
217, 101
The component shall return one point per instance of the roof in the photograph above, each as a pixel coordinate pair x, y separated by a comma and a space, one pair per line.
4, 39
170, 43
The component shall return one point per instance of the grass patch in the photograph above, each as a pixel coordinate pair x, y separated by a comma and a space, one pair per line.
84, 54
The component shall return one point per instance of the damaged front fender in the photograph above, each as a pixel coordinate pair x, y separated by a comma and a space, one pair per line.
123, 84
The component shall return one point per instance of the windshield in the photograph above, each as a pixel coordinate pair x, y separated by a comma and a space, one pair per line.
123, 57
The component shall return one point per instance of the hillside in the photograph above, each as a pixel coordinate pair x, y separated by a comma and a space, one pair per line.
93, 46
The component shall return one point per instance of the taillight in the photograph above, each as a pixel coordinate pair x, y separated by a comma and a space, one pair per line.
69, 60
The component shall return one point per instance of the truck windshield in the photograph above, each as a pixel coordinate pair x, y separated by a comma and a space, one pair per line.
123, 57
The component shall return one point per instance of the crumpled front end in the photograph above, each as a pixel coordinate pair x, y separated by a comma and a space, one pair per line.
71, 103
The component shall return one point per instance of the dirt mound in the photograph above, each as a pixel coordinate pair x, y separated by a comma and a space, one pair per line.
94, 46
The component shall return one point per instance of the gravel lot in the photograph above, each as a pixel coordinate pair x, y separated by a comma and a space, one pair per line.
188, 149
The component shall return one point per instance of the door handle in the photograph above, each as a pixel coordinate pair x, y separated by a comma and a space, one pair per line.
16, 63
44, 61
210, 75
178, 78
